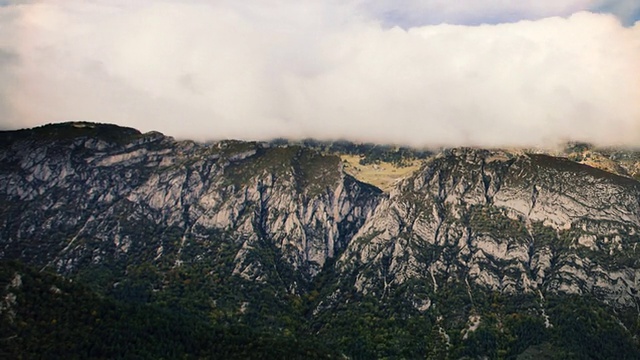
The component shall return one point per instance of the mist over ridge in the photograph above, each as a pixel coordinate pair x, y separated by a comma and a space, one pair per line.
201, 71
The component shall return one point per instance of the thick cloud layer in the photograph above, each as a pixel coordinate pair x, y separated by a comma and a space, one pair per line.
256, 70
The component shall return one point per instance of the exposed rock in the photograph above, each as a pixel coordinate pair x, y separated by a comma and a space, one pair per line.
509, 222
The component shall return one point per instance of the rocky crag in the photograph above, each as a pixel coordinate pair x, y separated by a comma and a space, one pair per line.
477, 253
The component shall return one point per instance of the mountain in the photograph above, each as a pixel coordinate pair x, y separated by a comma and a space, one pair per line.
625, 162
464, 253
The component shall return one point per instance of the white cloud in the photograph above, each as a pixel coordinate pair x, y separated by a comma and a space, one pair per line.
329, 70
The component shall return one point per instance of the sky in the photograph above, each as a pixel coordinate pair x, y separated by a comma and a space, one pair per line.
420, 73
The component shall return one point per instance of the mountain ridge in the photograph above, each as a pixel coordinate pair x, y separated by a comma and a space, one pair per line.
455, 260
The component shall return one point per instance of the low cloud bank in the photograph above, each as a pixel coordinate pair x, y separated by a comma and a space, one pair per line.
201, 71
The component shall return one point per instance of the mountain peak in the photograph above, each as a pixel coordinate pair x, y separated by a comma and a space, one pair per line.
69, 131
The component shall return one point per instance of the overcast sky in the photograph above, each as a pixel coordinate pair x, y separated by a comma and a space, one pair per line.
431, 72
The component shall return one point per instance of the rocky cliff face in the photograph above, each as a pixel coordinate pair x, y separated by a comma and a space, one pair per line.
511, 223
87, 193
234, 223
80, 194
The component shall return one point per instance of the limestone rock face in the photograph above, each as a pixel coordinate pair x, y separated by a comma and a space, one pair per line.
512, 223
86, 198
80, 195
